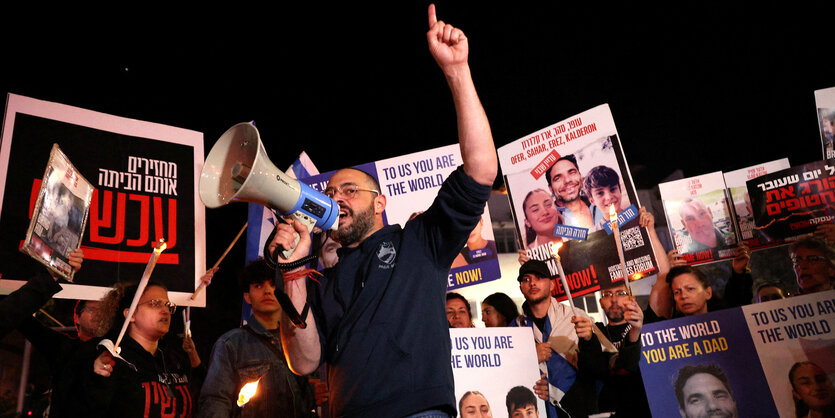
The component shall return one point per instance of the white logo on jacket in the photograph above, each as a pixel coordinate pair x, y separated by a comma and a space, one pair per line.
386, 253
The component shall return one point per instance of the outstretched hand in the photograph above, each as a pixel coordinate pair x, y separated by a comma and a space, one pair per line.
447, 44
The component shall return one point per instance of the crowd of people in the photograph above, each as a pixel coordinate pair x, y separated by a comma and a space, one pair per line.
374, 319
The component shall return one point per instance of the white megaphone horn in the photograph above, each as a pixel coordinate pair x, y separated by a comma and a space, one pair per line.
238, 169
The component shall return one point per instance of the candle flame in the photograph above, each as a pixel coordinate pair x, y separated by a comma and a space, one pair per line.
554, 247
612, 214
247, 392
161, 246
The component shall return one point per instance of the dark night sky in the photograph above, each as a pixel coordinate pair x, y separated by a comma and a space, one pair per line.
700, 88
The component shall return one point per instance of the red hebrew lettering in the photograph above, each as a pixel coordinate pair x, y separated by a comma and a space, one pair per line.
773, 209
171, 239
786, 192
804, 188
772, 195
813, 200
144, 207
107, 216
793, 204
33, 195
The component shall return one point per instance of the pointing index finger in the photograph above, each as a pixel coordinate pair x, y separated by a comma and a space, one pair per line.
432, 16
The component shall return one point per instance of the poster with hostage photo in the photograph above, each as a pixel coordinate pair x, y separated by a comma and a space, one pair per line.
562, 182
699, 218
825, 102
59, 216
736, 183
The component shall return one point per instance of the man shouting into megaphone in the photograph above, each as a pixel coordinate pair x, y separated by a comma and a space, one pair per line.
377, 317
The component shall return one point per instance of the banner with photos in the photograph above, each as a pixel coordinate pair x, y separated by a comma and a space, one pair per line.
699, 217
494, 370
145, 178
756, 360
825, 103
562, 182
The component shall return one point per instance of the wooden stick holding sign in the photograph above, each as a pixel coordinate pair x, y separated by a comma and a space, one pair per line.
222, 256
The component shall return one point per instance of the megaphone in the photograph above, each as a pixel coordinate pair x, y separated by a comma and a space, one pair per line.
238, 169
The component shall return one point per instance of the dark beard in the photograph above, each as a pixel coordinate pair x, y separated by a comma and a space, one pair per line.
540, 300
615, 316
362, 223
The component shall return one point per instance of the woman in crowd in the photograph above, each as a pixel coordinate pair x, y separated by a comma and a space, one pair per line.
458, 311
813, 393
474, 405
497, 310
149, 379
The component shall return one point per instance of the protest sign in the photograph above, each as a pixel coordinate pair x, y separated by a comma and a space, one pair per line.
699, 217
794, 201
60, 215
716, 342
791, 333
145, 178
755, 346
492, 361
561, 182
741, 202
825, 103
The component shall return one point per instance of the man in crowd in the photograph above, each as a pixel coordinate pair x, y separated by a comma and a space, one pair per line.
703, 391
377, 318
697, 220
521, 403
565, 182
813, 265
253, 353
569, 353
623, 390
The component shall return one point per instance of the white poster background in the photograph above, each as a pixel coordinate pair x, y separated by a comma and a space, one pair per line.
518, 364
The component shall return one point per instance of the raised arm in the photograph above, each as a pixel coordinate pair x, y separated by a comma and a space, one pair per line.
450, 49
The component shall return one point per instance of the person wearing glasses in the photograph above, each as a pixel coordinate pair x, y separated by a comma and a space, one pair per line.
623, 389
150, 379
253, 353
813, 265
377, 318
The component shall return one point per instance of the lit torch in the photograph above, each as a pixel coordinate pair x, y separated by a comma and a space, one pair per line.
555, 247
613, 218
247, 392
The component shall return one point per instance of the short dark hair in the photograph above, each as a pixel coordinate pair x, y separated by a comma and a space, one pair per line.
689, 370
569, 157
679, 270
519, 397
453, 295
770, 284
504, 305
600, 176
255, 272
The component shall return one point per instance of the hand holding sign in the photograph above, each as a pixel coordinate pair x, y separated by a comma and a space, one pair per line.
582, 326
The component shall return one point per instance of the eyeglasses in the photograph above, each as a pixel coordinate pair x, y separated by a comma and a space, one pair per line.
810, 259
348, 191
159, 303
619, 293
